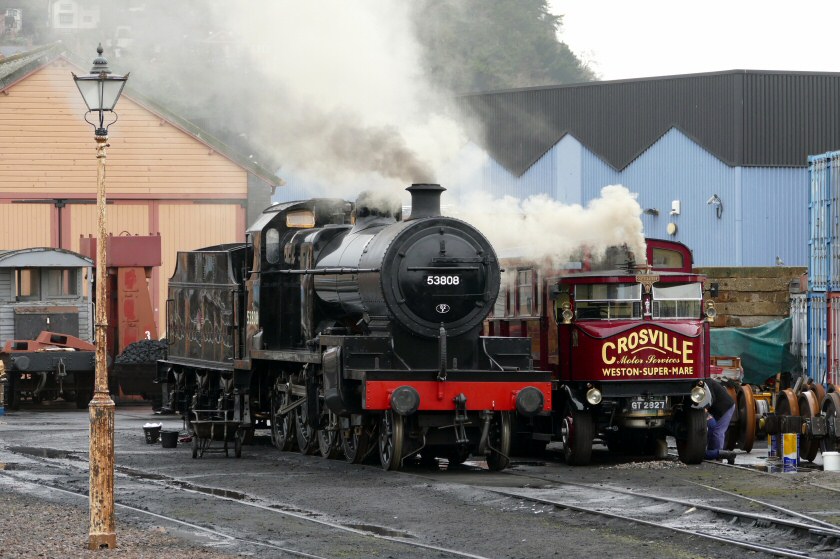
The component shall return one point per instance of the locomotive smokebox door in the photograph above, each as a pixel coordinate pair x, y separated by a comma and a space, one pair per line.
31, 321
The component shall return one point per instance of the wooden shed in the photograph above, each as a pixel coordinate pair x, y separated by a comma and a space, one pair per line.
163, 175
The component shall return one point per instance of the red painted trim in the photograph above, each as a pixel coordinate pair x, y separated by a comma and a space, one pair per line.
440, 396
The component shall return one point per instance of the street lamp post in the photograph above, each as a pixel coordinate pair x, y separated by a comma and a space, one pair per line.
101, 89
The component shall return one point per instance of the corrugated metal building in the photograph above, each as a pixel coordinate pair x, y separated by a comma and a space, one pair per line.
731, 147
163, 174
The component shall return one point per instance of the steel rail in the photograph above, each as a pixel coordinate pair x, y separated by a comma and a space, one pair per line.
777, 551
228, 538
185, 486
778, 508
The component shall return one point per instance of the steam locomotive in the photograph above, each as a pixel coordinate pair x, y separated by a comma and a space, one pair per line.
345, 329
628, 346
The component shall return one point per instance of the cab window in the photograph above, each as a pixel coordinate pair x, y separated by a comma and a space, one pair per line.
677, 300
608, 301
272, 246
664, 258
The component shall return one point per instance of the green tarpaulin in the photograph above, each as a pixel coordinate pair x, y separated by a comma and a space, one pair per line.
764, 350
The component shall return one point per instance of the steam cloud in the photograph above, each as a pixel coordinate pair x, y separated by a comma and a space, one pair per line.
344, 100
345, 104
546, 232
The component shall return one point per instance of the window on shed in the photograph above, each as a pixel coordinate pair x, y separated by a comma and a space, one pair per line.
28, 284
36, 284
60, 282
65, 19
272, 246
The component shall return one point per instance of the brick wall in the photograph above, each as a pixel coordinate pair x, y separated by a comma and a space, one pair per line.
752, 296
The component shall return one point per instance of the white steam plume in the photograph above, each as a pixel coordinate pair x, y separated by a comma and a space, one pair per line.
547, 232
344, 99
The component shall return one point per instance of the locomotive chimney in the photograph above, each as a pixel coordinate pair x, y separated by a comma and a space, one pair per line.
425, 200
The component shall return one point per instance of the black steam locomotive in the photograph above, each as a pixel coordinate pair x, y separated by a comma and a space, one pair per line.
345, 329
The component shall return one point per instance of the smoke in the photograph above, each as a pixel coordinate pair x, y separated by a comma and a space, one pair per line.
335, 91
548, 233
343, 99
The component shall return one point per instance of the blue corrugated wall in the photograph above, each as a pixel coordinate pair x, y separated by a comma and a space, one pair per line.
762, 215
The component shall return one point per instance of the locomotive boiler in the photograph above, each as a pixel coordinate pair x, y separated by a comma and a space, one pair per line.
345, 329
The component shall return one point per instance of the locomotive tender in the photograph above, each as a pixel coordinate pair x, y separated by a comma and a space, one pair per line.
629, 349
345, 329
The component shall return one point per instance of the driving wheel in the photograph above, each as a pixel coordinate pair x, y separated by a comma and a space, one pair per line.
355, 443
499, 441
391, 440
329, 440
282, 432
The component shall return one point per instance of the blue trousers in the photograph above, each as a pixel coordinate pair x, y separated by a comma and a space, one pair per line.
717, 433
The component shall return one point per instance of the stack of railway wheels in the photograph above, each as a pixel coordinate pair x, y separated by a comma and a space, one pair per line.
810, 401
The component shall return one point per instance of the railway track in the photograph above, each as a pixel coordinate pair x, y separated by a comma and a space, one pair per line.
387, 542
786, 534
206, 511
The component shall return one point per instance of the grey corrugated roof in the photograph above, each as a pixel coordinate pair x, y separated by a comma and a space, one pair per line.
16, 67
744, 117
43, 257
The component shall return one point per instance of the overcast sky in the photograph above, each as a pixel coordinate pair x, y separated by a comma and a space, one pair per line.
631, 39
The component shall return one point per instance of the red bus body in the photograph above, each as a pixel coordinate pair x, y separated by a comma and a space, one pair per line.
632, 347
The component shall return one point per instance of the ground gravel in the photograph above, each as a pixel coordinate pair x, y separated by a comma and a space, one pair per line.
32, 527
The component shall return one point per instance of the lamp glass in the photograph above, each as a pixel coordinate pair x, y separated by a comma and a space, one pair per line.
100, 93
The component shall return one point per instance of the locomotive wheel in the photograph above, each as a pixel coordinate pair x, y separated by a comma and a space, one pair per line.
831, 408
745, 406
808, 409
329, 440
499, 442
307, 435
691, 445
355, 442
578, 432
391, 440
282, 433
786, 403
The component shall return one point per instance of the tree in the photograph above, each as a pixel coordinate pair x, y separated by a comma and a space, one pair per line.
481, 45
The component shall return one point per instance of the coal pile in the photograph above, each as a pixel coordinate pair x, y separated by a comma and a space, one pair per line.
144, 351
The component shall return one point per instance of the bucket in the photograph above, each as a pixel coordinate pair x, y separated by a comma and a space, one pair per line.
831, 461
169, 439
152, 433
